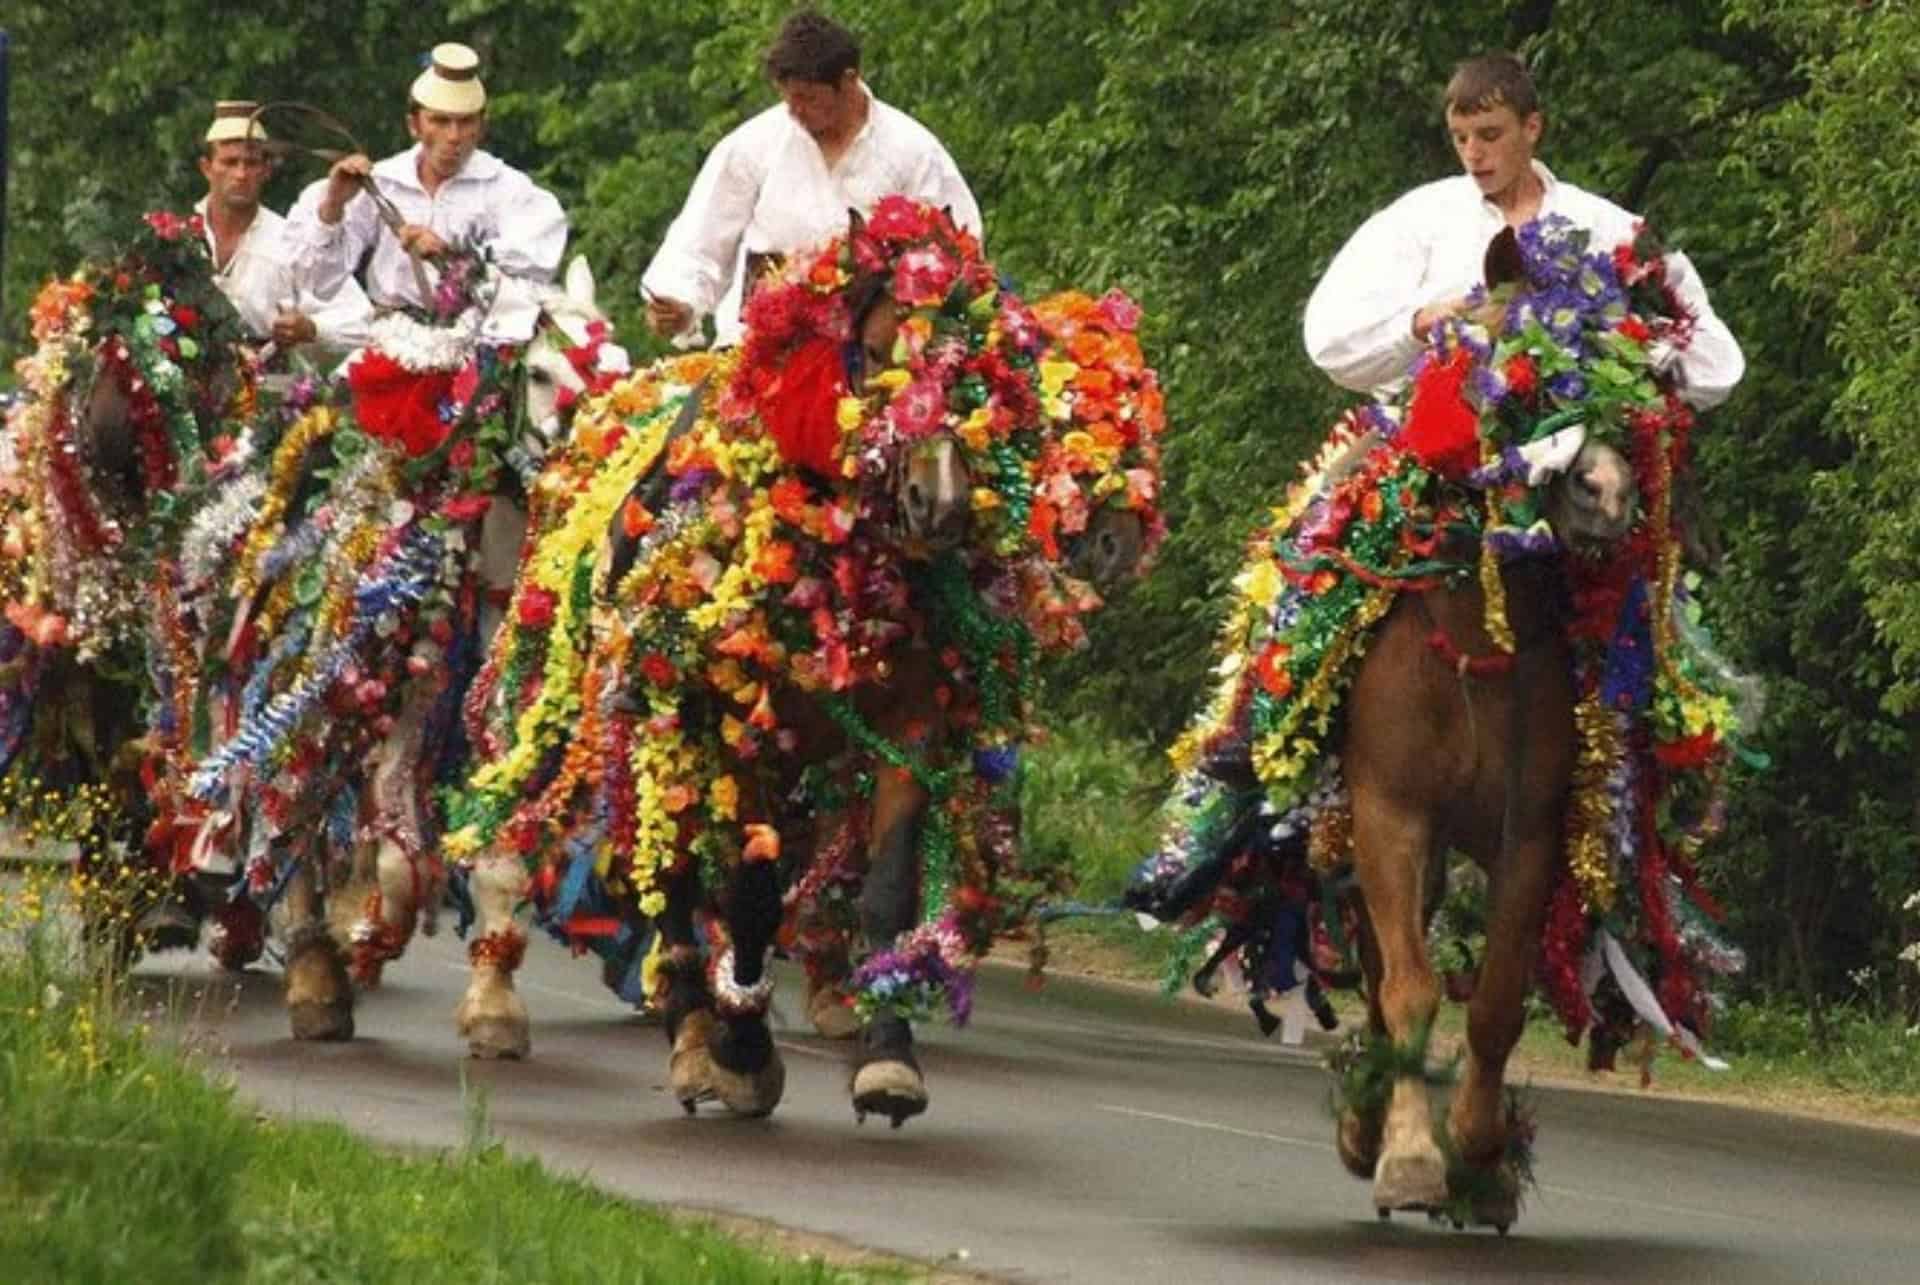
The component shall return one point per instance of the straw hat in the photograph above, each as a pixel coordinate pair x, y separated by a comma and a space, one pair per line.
451, 82
233, 122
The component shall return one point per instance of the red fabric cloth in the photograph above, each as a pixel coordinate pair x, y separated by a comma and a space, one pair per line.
397, 404
1443, 428
800, 406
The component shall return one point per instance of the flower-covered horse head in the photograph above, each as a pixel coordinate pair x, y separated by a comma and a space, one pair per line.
775, 678
1468, 634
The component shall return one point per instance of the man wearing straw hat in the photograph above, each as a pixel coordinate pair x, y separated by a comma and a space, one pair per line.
447, 192
256, 261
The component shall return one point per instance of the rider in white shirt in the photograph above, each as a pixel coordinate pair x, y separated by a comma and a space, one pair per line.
256, 261
785, 180
447, 192
1414, 262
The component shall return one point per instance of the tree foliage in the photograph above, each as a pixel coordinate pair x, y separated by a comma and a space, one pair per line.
1210, 157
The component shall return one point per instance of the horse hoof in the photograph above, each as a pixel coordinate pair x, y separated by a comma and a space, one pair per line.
491, 1038
317, 1020
751, 1093
1386, 1214
890, 1088
1411, 1180
690, 1067
1357, 1140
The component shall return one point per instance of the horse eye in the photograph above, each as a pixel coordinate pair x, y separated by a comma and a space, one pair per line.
541, 376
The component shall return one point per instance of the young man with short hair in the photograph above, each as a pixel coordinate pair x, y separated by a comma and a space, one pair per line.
1414, 263
784, 180
257, 263
448, 192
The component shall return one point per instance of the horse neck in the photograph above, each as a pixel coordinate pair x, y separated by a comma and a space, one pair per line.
1533, 603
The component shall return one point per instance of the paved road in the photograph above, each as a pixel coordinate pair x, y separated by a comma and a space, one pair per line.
1085, 1133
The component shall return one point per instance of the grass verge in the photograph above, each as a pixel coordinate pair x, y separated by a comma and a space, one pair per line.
120, 1161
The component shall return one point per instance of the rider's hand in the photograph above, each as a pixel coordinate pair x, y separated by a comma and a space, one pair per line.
290, 328
667, 317
421, 241
343, 184
1434, 313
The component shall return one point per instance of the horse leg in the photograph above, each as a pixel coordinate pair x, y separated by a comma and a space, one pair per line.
748, 1075
1392, 846
1540, 763
319, 997
492, 1015
407, 879
686, 1007
886, 1076
1357, 1132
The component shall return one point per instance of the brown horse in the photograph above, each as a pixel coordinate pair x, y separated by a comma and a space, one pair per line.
1477, 758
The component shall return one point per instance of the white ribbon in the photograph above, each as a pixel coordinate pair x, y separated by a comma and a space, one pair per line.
1554, 453
1645, 1005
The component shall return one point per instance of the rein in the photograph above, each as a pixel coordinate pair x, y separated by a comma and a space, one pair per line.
389, 212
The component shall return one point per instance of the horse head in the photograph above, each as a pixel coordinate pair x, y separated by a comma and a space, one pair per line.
1591, 505
1111, 547
568, 314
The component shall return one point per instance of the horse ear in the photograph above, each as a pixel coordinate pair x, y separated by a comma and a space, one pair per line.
1504, 262
580, 287
856, 223
948, 211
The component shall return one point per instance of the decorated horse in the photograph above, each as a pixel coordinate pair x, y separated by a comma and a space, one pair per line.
343, 585
773, 644
1469, 632
132, 397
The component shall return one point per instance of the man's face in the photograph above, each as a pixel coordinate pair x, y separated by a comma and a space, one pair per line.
447, 139
819, 108
1495, 145
235, 172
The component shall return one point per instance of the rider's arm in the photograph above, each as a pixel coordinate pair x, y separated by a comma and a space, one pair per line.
530, 227
327, 253
1712, 362
695, 263
1359, 322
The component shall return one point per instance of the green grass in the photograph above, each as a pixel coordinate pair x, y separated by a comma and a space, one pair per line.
1089, 803
121, 1161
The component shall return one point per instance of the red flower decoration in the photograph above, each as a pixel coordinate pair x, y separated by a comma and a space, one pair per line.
1270, 671
1523, 377
801, 403
1635, 329
536, 608
465, 508
395, 404
1443, 429
658, 670
185, 317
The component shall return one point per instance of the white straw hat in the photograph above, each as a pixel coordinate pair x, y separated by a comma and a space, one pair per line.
233, 122
451, 82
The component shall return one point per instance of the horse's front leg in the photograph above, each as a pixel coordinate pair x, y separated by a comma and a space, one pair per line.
491, 1015
1392, 844
886, 1077
749, 1077
408, 880
319, 997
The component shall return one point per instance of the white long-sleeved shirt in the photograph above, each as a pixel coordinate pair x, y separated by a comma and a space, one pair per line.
520, 223
266, 273
1430, 245
766, 189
